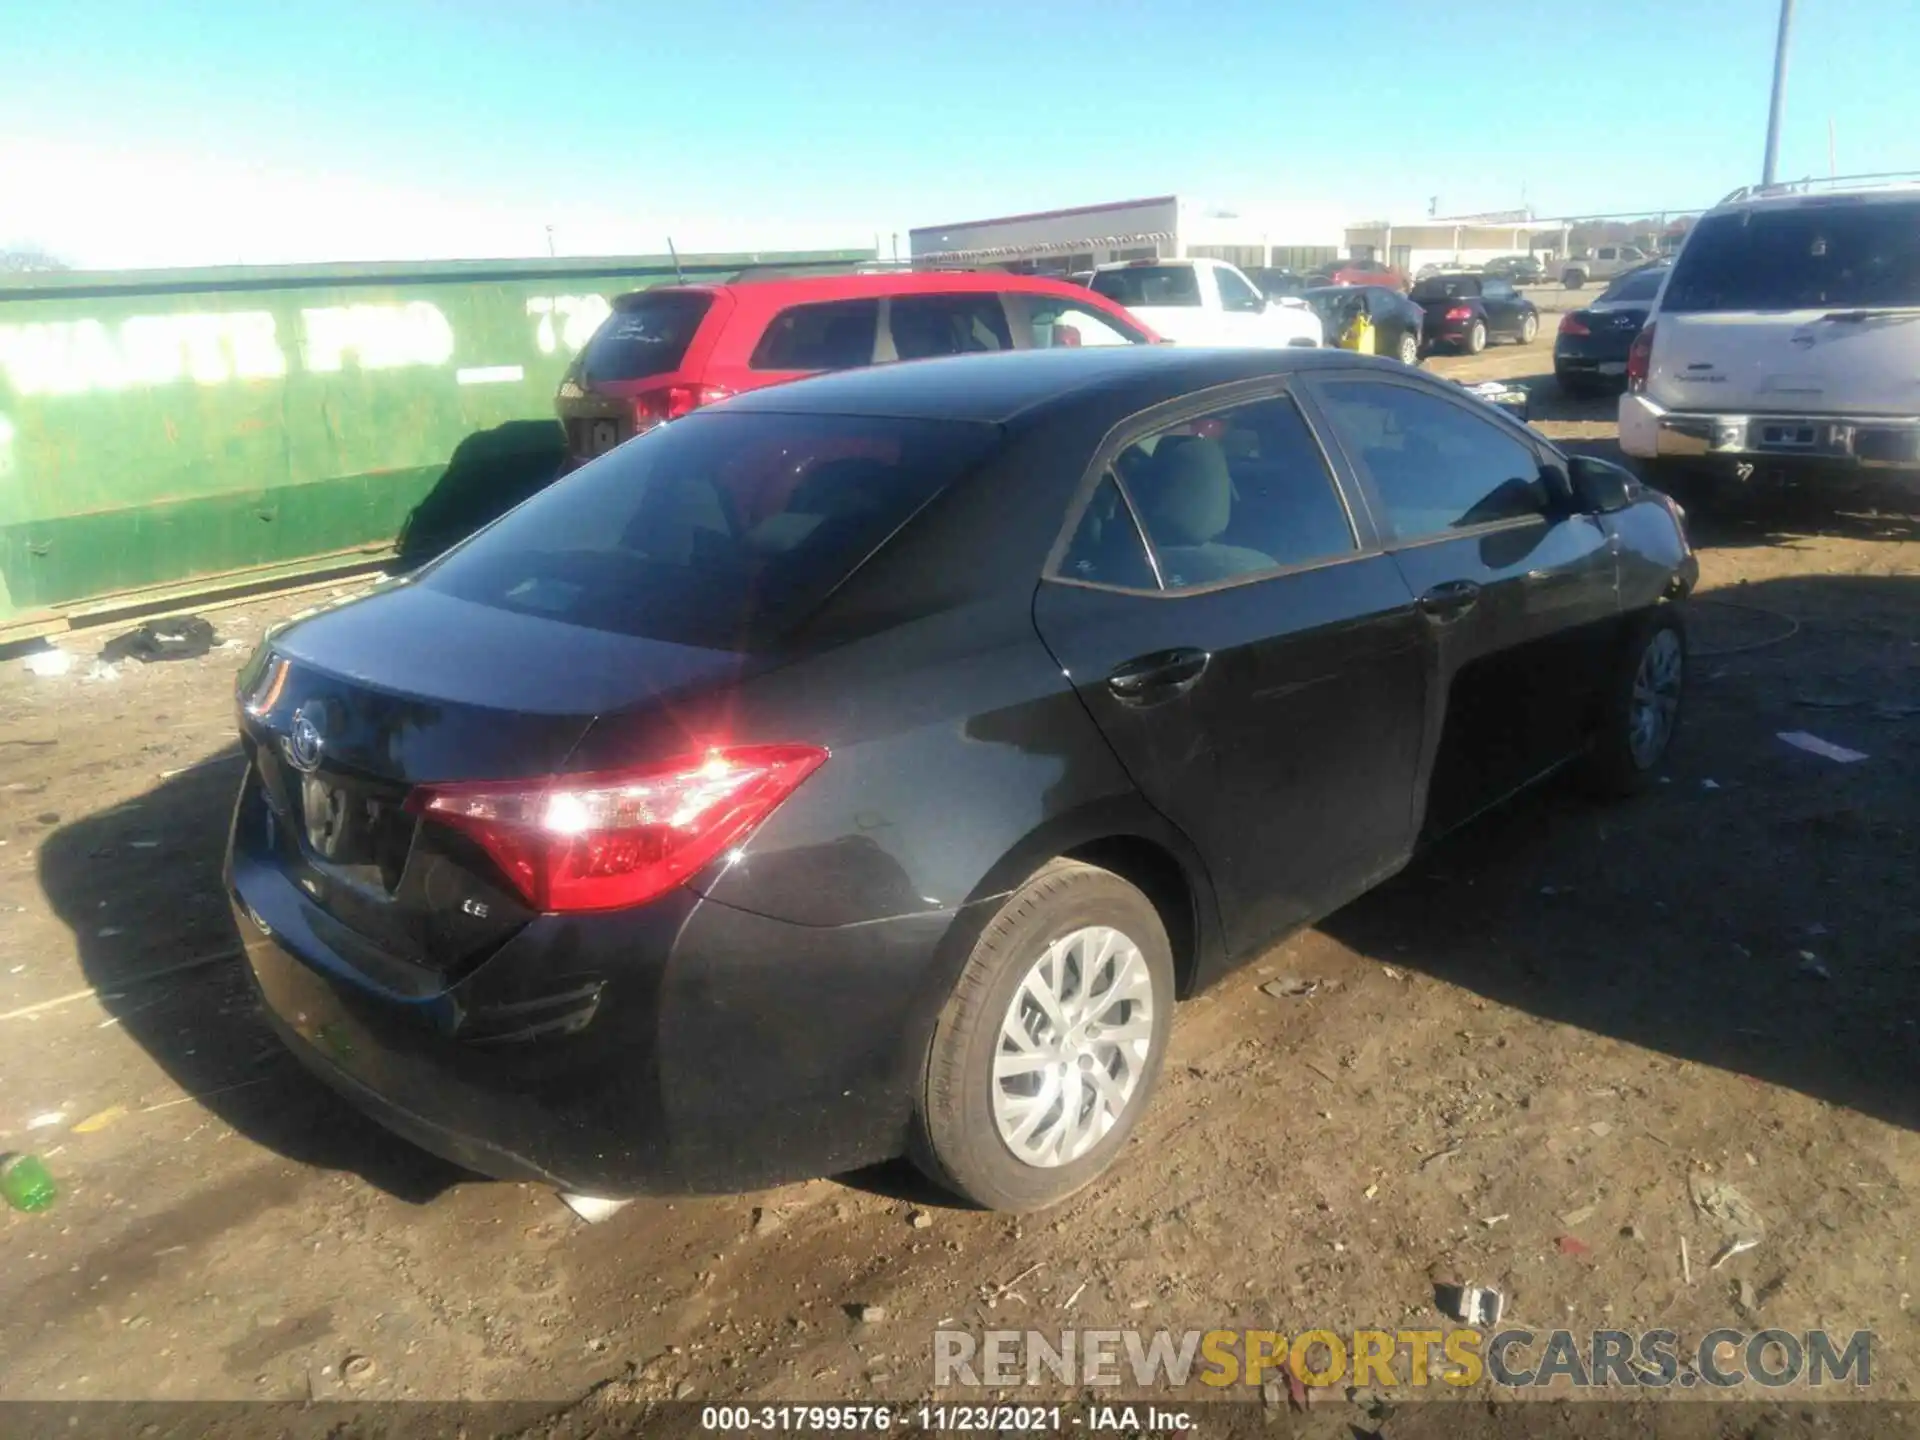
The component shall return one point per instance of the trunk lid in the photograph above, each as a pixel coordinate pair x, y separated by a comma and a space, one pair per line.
1809, 361
354, 707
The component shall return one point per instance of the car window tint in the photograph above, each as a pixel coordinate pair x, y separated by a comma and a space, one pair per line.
1106, 548
1808, 257
834, 335
1044, 322
647, 334
1496, 289
1435, 464
1148, 285
1235, 493
1235, 293
719, 529
1641, 285
923, 326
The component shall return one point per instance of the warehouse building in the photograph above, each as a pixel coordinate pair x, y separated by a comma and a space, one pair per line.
1058, 242
1457, 240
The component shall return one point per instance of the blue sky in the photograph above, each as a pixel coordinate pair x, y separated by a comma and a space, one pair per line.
141, 133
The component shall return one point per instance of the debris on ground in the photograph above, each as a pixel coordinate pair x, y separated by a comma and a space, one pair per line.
26, 1183
1826, 749
1747, 1298
1289, 987
767, 1220
869, 1314
357, 1369
1572, 1245
100, 1119
1473, 1304
1727, 1208
1575, 1218
591, 1208
1686, 1262
182, 637
920, 1220
48, 663
1731, 1249
47, 1119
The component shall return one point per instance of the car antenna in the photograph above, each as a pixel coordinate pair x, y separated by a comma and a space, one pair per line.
678, 278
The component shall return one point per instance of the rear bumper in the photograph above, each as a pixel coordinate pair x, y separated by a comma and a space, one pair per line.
685, 1046
1649, 431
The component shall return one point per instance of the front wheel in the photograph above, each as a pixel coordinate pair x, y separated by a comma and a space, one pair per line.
1476, 337
1640, 706
1574, 279
1529, 328
1051, 1042
1409, 348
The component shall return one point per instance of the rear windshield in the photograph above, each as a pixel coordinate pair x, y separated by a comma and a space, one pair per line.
1447, 287
645, 335
1641, 285
718, 530
1170, 285
1829, 256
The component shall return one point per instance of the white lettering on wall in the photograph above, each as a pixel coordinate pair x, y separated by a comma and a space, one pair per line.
378, 337
579, 315
72, 357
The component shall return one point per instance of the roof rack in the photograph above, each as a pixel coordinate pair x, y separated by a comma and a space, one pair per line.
1814, 185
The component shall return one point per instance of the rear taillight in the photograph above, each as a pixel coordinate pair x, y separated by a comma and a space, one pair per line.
606, 841
1639, 357
670, 402
1573, 325
1460, 312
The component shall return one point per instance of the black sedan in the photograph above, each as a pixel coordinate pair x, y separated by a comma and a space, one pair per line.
1466, 311
865, 766
1590, 350
1396, 320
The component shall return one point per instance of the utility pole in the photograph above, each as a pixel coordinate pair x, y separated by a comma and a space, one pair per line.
1779, 93
550, 250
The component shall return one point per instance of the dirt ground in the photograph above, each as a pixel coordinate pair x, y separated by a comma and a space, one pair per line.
1541, 1033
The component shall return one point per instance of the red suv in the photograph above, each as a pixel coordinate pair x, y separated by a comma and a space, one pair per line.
1361, 272
668, 350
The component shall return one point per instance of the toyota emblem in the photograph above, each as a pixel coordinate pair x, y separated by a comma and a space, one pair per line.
304, 740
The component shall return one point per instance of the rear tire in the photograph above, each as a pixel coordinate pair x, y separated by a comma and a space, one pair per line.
1476, 340
1409, 350
1529, 329
1640, 706
1574, 279
996, 1041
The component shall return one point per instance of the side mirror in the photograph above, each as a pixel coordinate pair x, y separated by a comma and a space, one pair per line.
1600, 488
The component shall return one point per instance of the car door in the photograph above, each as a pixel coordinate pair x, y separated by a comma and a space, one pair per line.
1384, 308
1503, 306
1254, 659
1242, 309
1520, 594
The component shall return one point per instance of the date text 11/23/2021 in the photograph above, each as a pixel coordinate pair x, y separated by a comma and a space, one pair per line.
941, 1419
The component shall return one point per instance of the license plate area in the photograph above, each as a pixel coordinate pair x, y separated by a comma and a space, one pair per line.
1788, 436
364, 832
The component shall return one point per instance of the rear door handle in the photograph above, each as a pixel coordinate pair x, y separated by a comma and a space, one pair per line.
1450, 599
1150, 679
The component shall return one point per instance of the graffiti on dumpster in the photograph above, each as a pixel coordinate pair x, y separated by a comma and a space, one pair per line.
81, 357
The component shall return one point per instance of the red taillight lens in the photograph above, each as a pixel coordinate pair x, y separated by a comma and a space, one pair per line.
1573, 325
1460, 312
606, 841
670, 402
1639, 357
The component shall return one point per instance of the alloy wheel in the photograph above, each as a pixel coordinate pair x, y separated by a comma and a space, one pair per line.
1409, 350
1073, 1046
1656, 698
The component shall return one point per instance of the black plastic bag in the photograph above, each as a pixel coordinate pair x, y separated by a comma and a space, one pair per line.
180, 637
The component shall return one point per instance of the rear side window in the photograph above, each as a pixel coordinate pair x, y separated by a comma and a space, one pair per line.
833, 335
721, 530
1827, 256
1169, 285
923, 326
646, 335
1106, 548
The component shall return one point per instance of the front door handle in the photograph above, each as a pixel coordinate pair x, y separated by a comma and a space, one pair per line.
1449, 600
1150, 679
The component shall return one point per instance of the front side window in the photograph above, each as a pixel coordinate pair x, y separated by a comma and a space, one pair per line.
1043, 322
1171, 286
1436, 466
834, 335
1235, 293
1235, 493
924, 326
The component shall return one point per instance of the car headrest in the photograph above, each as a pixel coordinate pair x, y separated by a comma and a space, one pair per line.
1189, 492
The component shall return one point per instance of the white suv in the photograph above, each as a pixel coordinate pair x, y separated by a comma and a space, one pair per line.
1787, 339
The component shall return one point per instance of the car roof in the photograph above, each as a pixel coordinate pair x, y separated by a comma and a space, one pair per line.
857, 287
1794, 195
1006, 385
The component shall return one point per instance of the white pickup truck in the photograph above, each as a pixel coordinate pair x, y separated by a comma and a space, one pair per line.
1206, 302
